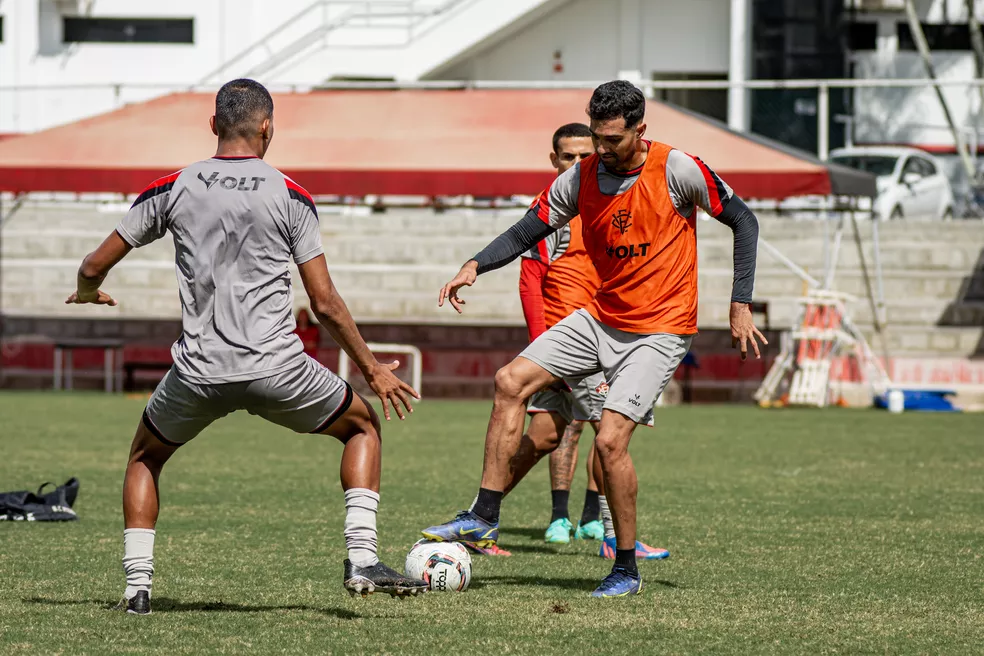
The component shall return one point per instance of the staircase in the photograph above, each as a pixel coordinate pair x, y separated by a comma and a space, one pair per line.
307, 31
362, 38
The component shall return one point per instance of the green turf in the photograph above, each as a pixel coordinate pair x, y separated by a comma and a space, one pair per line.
791, 532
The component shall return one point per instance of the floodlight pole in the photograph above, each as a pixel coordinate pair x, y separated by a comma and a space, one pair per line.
823, 122
977, 42
922, 46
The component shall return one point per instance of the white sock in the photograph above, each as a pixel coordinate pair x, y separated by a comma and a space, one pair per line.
471, 508
606, 518
138, 560
360, 526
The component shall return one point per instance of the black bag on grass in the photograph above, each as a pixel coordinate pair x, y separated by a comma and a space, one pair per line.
53, 506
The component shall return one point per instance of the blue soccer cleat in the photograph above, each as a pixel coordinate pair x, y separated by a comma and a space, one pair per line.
643, 551
465, 527
559, 531
619, 583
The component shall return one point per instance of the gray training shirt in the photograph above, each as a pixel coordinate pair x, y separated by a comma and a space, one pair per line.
236, 222
691, 184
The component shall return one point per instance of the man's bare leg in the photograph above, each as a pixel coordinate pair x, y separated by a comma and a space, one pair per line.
643, 550
505, 452
141, 505
563, 464
141, 494
359, 430
542, 437
619, 480
592, 458
589, 527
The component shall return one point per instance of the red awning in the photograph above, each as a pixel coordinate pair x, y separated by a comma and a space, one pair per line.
401, 142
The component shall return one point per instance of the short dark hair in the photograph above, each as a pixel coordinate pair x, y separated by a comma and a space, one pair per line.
568, 131
618, 99
240, 106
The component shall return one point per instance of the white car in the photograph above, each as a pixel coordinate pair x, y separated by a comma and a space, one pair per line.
911, 182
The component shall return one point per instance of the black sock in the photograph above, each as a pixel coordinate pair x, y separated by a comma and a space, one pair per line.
626, 559
487, 505
592, 507
560, 499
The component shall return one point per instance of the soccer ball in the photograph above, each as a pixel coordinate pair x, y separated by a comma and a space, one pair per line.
446, 566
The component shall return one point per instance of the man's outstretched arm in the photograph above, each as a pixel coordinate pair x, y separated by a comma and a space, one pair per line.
145, 222
504, 249
94, 269
553, 209
334, 315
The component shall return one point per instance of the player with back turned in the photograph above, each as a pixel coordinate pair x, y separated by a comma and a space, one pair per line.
236, 223
638, 202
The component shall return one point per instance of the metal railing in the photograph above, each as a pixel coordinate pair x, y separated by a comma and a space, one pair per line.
328, 16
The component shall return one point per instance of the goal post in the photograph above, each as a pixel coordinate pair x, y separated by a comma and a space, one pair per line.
416, 360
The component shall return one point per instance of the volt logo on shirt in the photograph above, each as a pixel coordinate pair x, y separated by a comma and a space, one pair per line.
624, 252
230, 182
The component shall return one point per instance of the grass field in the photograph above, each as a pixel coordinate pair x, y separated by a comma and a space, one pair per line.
791, 532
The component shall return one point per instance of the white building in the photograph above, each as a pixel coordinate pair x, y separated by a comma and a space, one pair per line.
63, 60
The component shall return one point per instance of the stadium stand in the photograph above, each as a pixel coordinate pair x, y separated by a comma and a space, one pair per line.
390, 264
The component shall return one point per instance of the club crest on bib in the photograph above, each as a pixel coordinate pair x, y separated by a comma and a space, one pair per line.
622, 220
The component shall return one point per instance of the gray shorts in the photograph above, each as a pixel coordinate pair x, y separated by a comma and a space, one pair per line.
582, 403
306, 399
637, 367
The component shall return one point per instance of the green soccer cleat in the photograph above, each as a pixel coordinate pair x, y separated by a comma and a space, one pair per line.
559, 531
593, 530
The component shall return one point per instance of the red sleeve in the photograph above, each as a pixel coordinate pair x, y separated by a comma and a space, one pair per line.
716, 190
541, 206
531, 275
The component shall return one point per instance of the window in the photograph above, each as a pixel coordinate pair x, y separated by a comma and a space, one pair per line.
877, 165
863, 36
939, 37
926, 167
912, 165
128, 30
711, 102
1, 29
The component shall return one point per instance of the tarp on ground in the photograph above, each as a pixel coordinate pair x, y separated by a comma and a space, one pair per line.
399, 142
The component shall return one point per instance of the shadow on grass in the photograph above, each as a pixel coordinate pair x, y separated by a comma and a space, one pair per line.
531, 533
564, 584
168, 605
536, 549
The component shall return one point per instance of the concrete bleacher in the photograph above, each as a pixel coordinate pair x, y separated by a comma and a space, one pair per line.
389, 267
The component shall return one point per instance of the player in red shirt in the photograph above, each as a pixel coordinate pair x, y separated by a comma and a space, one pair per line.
308, 333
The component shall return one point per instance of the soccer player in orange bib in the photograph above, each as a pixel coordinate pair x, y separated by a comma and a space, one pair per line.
638, 202
556, 279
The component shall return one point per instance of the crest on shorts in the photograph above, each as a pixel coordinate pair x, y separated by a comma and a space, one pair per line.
622, 220
602, 389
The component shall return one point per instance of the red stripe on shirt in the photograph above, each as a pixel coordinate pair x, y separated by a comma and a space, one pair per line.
160, 182
542, 207
298, 188
712, 187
